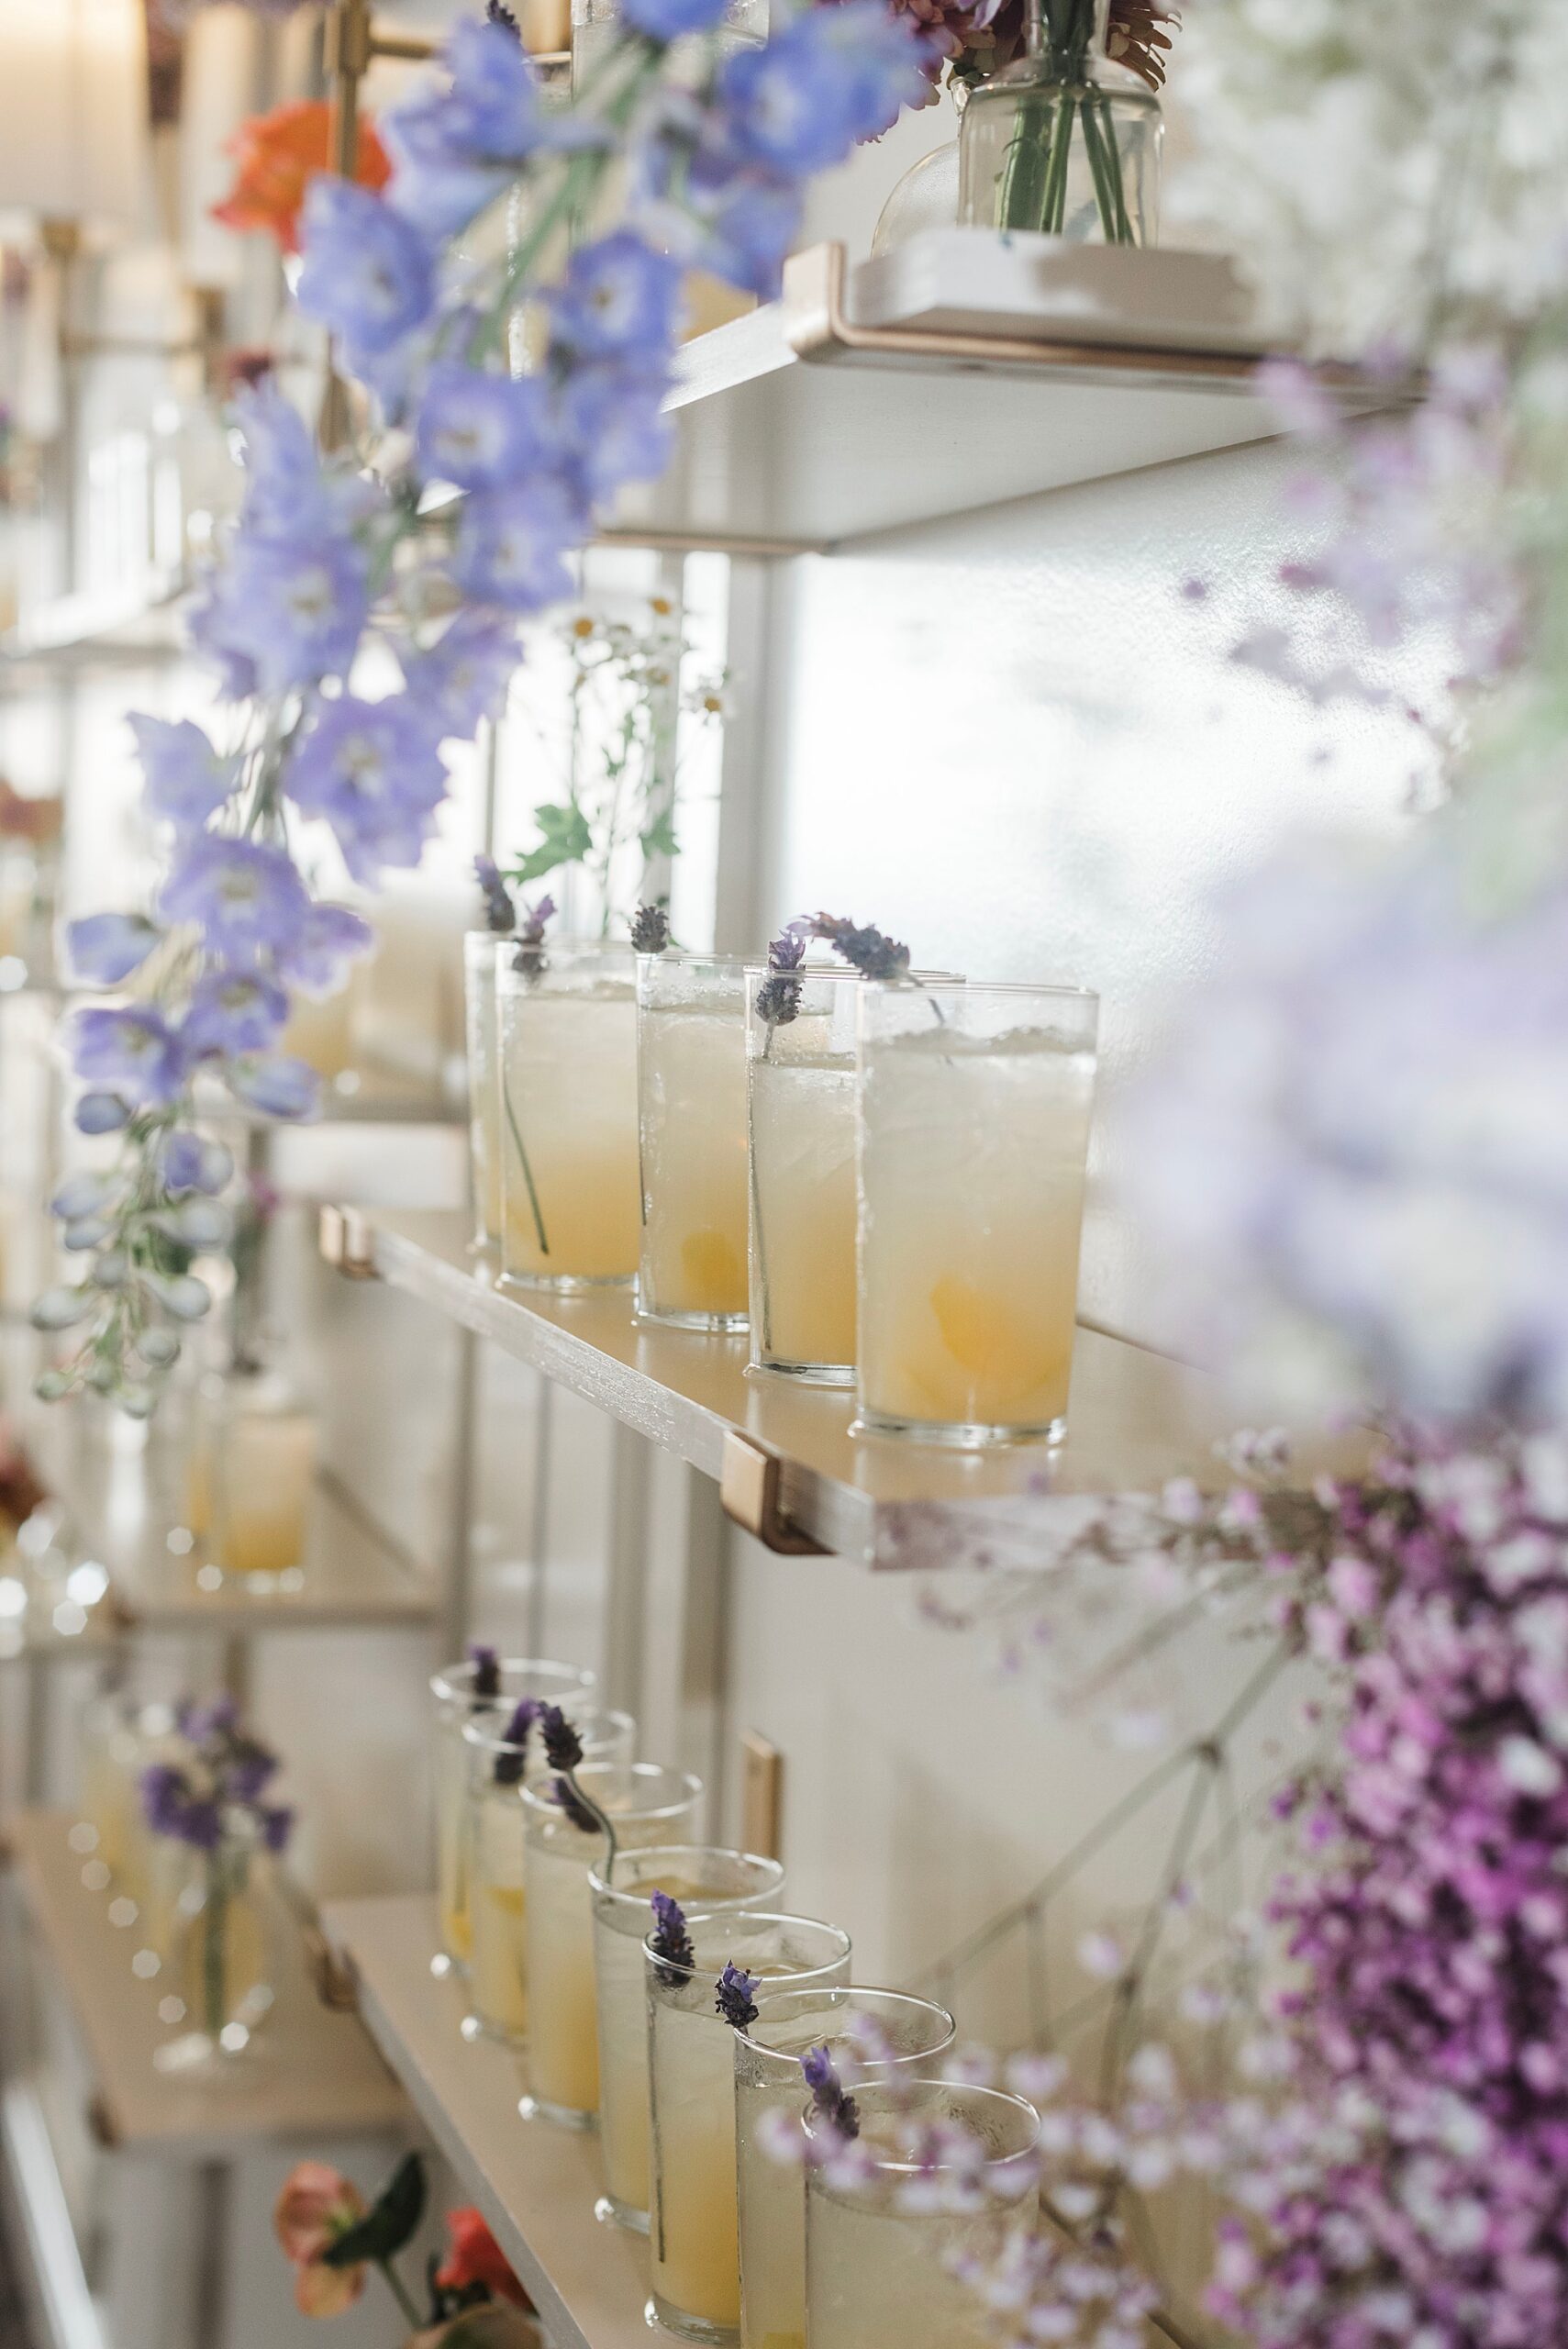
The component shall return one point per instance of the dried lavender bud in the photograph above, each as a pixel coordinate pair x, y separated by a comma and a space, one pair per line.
735, 1996
531, 955
650, 929
671, 1941
778, 997
562, 1746
510, 1767
500, 914
587, 1822
485, 1686
497, 13
829, 2099
865, 949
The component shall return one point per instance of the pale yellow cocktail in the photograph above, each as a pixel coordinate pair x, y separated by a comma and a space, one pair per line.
567, 1094
691, 1087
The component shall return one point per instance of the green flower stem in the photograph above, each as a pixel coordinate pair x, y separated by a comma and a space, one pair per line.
395, 2286
215, 1940
528, 1170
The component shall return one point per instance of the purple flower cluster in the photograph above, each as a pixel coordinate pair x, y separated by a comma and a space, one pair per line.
210, 1793
669, 1942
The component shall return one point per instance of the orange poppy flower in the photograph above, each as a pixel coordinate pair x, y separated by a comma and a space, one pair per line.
473, 2256
279, 154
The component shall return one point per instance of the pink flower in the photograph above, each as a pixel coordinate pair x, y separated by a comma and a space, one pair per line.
317, 2204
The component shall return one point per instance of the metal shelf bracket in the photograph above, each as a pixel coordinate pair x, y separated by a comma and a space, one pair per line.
346, 1243
751, 1489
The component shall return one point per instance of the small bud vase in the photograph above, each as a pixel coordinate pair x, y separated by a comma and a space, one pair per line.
224, 1959
1064, 141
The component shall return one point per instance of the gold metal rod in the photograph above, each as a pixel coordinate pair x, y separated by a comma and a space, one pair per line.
701, 541
402, 45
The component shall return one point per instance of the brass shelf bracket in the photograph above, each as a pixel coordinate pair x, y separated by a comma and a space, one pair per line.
750, 1487
346, 1243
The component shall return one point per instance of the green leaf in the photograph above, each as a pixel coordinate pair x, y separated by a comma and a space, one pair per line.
388, 2224
659, 840
565, 839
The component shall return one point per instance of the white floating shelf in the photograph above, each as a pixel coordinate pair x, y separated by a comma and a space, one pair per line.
316, 2074
1134, 1417
962, 370
536, 2184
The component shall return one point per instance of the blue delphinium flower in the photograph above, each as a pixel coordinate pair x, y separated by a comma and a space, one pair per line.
277, 1085
735, 1996
295, 607
244, 896
233, 1012
330, 937
613, 425
106, 948
134, 1052
832, 76
189, 1162
183, 780
369, 272
463, 677
510, 543
477, 428
101, 1113
457, 148
619, 298
373, 771
668, 19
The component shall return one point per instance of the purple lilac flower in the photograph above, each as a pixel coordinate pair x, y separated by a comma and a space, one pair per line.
134, 1052
294, 608
481, 430
373, 771
618, 299
183, 780
669, 1942
245, 897
233, 1012
735, 1996
102, 1113
106, 948
277, 1085
331, 938
613, 425
500, 913
510, 543
368, 273
465, 676
830, 2099
189, 1162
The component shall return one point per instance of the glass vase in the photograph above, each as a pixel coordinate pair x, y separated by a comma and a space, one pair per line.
567, 1042
497, 1772
1066, 143
650, 1806
694, 2232
482, 955
879, 2273
872, 2035
969, 1256
456, 1701
691, 1053
223, 1961
260, 1469
699, 1876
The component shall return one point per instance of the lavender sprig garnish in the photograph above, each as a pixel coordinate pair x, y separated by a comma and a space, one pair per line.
735, 1996
563, 1752
864, 948
670, 1943
510, 1767
500, 913
829, 2098
778, 997
485, 1686
497, 13
650, 929
530, 959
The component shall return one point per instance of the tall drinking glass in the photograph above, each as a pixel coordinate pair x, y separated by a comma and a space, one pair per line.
457, 1700
694, 2232
497, 1770
482, 954
872, 2035
567, 1042
691, 1053
699, 1876
877, 2271
650, 1806
800, 1069
975, 1104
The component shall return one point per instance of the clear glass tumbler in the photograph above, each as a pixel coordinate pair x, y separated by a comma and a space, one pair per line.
876, 2270
691, 1055
800, 1069
482, 950
650, 1805
974, 1112
566, 1026
872, 2035
700, 1876
497, 1770
694, 2234
456, 1701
